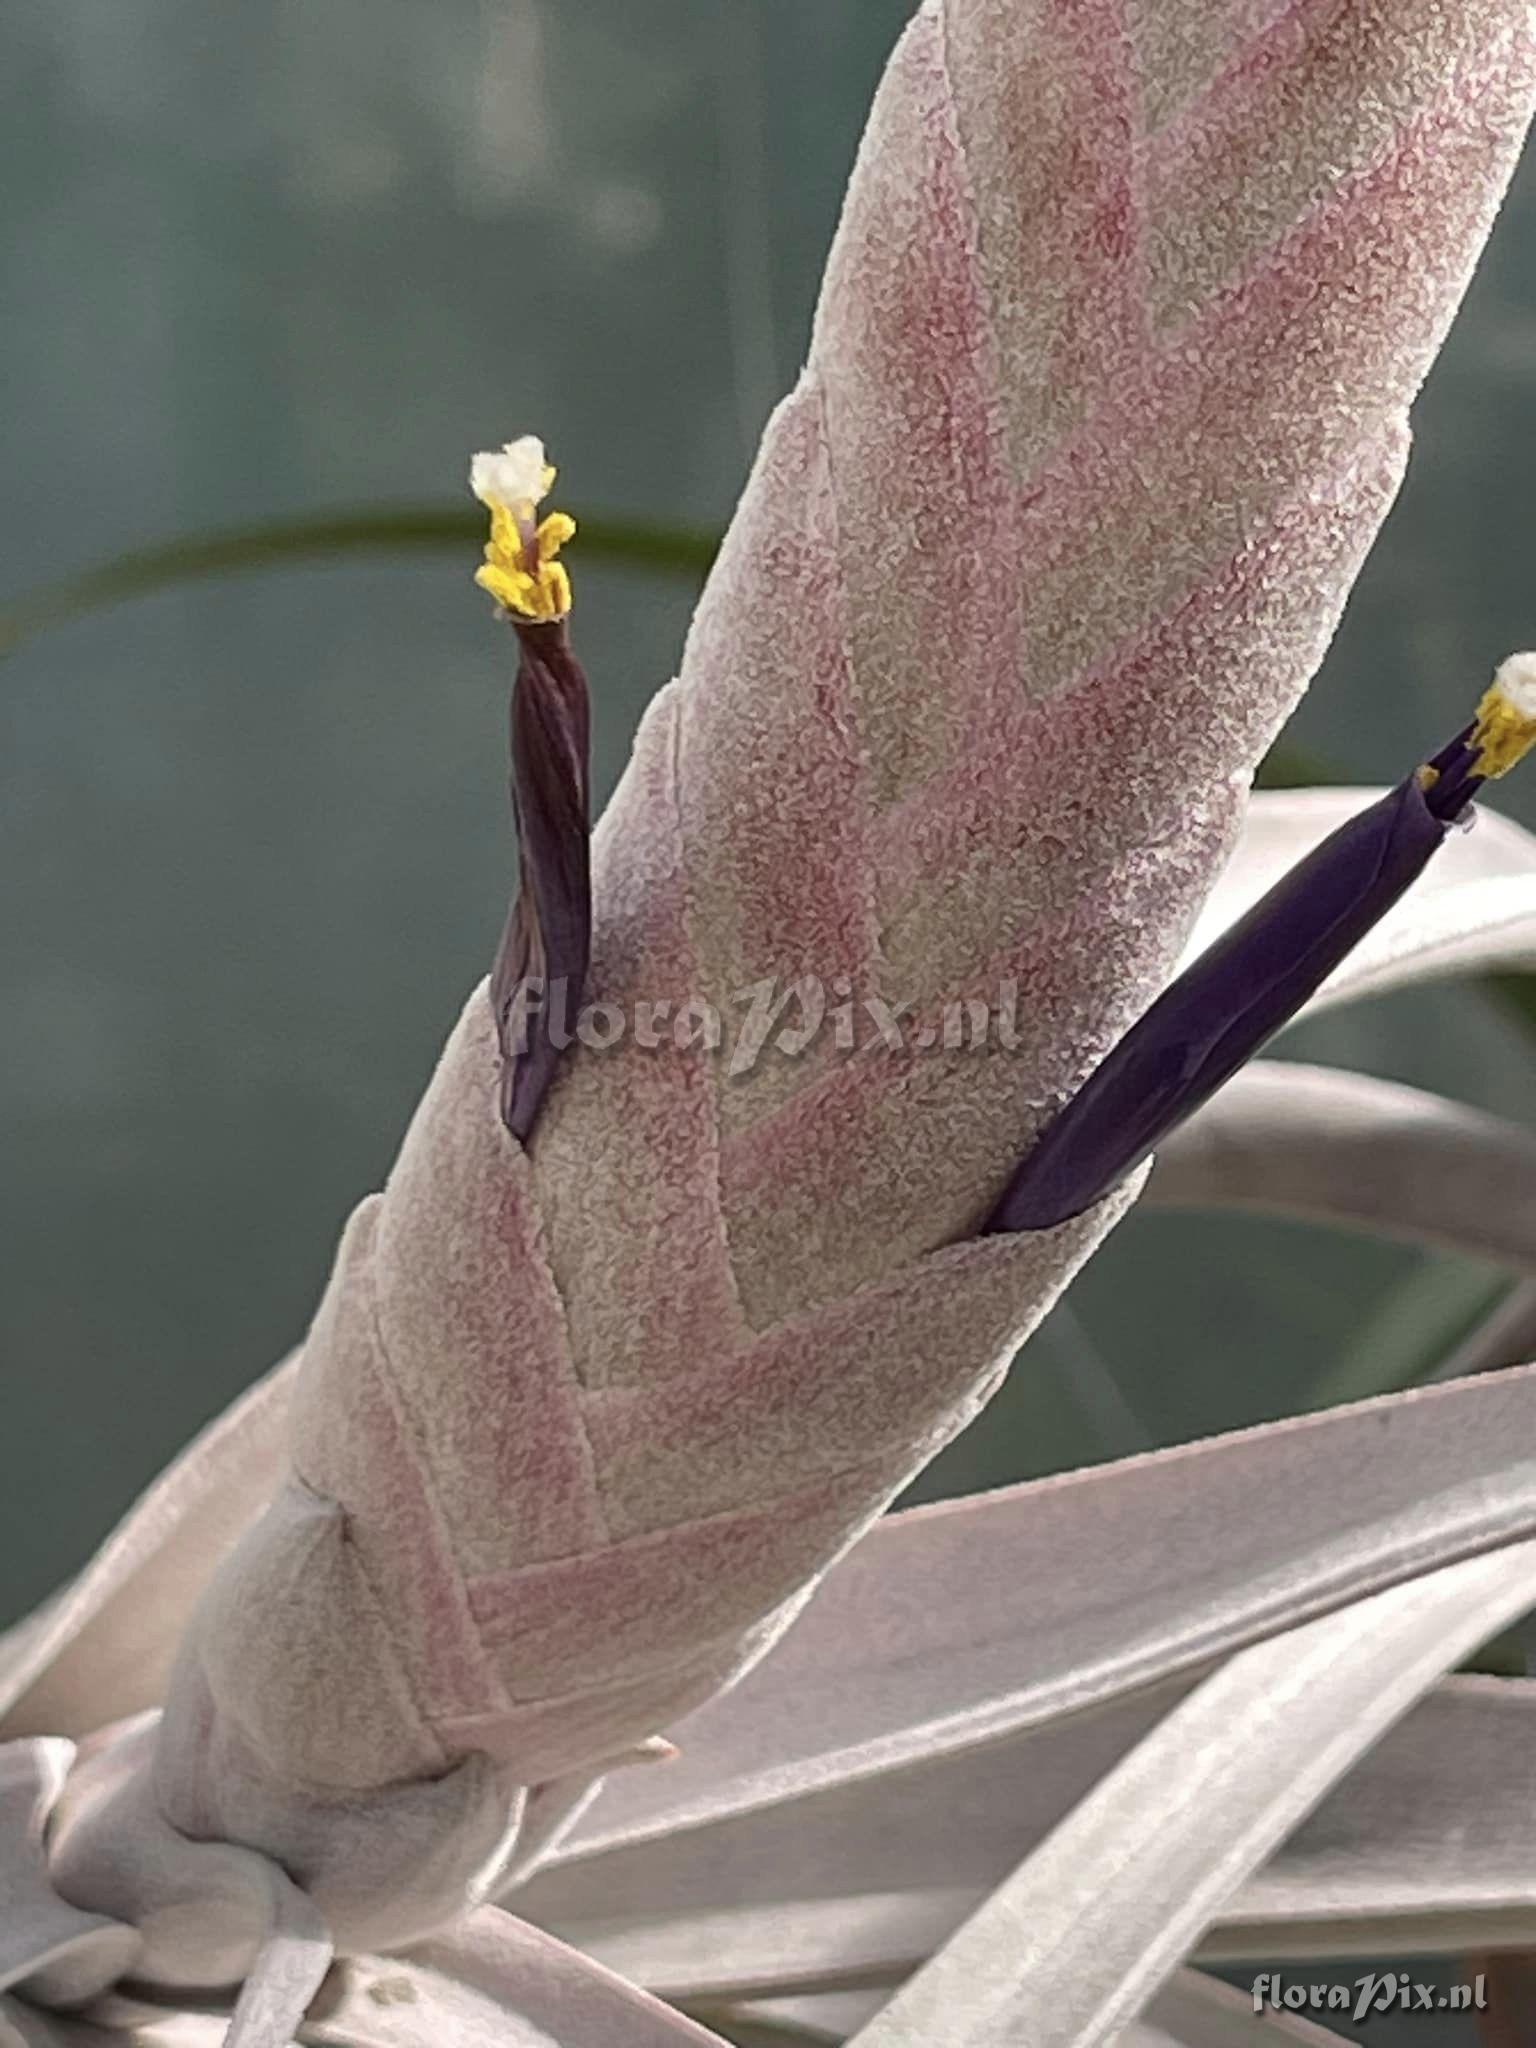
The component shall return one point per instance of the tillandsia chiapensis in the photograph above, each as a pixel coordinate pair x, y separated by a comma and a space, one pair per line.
1105, 402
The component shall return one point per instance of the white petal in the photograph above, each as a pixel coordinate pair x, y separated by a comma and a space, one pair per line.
1344, 1148
1515, 680
514, 476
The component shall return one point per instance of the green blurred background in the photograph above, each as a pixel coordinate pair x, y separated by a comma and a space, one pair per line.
278, 259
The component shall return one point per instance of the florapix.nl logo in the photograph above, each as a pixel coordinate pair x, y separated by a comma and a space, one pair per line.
792, 1019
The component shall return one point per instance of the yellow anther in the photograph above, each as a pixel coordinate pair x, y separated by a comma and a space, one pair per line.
521, 568
556, 530
1506, 718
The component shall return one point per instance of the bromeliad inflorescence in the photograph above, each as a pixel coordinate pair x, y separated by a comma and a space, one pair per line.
572, 1439
1238, 994
541, 964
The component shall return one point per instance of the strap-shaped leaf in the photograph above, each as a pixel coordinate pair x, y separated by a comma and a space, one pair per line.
1192, 2011
960, 1624
493, 1982
1423, 1848
1337, 1147
23, 2025
1079, 1939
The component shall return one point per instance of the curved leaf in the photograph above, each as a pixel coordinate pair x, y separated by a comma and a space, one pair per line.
966, 1623
28, 2026
1422, 1849
493, 1982
1191, 2011
1194, 2011
49, 1948
1345, 1148
1074, 1945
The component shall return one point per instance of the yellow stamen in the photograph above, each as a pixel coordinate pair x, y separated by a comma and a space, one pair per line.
1506, 718
556, 530
521, 568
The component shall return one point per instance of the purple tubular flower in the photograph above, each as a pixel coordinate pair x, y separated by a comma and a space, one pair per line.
541, 964
1237, 995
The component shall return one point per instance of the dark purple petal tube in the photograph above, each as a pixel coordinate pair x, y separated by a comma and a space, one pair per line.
541, 966
1241, 991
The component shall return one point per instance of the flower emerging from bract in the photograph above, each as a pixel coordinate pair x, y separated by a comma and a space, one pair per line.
541, 965
1237, 995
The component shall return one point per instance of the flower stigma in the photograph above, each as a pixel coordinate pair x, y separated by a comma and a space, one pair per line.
522, 568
